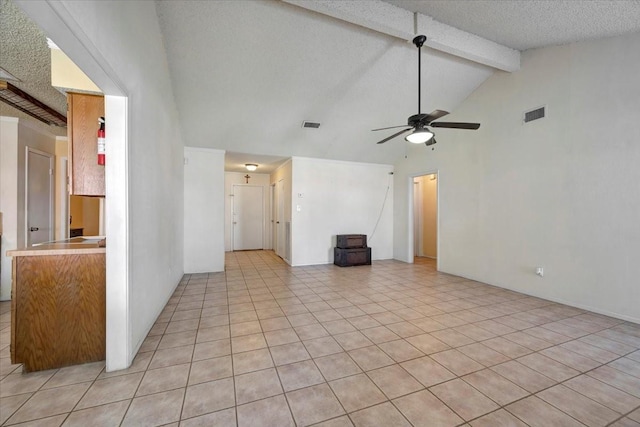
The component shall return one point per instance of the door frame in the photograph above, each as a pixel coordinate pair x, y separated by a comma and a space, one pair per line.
410, 219
51, 157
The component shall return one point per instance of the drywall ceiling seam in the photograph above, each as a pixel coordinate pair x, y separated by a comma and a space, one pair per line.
403, 24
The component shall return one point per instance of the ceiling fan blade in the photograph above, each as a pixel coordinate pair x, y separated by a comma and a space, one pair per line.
435, 114
390, 127
455, 125
394, 135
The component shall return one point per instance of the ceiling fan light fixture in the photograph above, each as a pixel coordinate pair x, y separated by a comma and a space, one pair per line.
251, 166
419, 136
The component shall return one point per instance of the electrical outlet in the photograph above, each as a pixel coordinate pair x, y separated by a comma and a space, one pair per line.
540, 271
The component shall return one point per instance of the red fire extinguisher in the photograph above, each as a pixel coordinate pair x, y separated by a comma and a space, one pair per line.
101, 147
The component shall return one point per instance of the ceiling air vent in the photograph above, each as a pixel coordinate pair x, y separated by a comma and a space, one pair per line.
312, 125
532, 115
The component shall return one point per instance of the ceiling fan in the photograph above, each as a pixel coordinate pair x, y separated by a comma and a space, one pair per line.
419, 122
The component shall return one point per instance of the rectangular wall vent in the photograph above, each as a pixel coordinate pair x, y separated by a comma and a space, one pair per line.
312, 125
532, 115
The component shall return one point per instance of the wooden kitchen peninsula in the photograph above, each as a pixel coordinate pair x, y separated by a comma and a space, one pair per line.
58, 304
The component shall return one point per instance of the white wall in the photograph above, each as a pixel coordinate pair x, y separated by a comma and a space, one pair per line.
337, 197
561, 192
120, 48
16, 135
203, 210
237, 178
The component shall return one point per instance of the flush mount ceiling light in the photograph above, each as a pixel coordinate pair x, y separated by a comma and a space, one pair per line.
29, 105
419, 136
251, 166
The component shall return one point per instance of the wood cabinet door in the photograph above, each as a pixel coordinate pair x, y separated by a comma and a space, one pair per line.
85, 175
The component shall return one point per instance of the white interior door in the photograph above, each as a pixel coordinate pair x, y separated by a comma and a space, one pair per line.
280, 247
39, 197
248, 217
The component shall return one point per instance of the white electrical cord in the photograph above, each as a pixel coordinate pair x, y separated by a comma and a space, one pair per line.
384, 202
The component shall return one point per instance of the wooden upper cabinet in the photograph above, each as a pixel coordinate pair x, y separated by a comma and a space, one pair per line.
86, 177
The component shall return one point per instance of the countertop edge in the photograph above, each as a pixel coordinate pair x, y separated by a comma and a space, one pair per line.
56, 251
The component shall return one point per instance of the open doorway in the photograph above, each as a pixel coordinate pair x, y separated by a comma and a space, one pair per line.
425, 218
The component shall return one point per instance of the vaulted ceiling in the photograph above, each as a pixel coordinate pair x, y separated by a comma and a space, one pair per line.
246, 74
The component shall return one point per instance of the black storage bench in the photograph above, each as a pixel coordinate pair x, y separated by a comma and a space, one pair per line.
351, 249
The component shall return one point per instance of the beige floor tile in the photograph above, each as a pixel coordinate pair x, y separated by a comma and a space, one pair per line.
343, 421
423, 409
578, 406
456, 362
323, 346
18, 383
384, 414
427, 371
281, 336
363, 322
211, 349
394, 381
548, 367
111, 390
213, 321
208, 397
210, 370
483, 354
357, 392
289, 353
177, 340
499, 418
523, 376
314, 404
265, 413
245, 328
104, 415
54, 421
279, 317
274, 323
400, 350
182, 325
380, 334
506, 347
224, 418
51, 402
339, 326
427, 343
9, 404
162, 379
352, 340
308, 332
495, 386
299, 375
463, 399
251, 361
155, 409
371, 357
570, 358
537, 413
171, 356
603, 393
257, 385
336, 366
627, 365
75, 374
248, 343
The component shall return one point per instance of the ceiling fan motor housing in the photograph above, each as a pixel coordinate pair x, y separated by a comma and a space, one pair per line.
417, 120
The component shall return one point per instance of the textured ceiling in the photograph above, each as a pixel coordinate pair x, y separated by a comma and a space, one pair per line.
533, 23
246, 74
25, 54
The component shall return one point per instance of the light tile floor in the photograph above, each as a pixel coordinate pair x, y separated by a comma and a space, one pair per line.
390, 344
